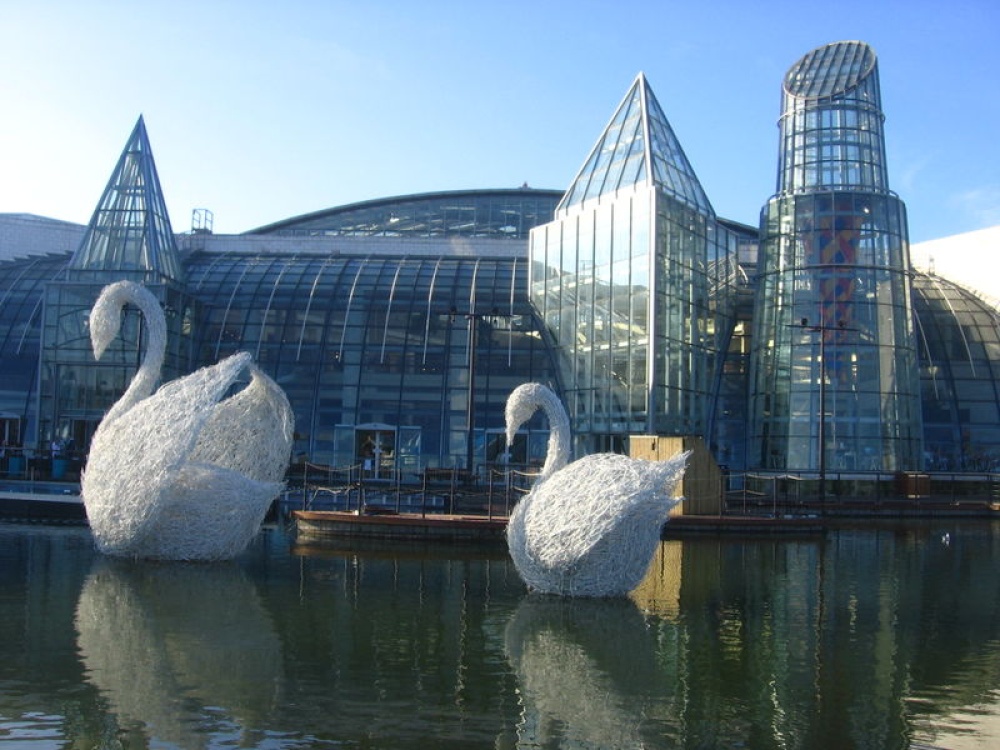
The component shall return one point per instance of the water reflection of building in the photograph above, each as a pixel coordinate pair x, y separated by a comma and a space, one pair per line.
411, 318
860, 638
852, 639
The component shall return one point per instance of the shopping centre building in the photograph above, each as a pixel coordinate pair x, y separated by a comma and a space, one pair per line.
399, 326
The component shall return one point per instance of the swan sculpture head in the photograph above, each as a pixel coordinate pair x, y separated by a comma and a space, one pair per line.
522, 403
105, 324
105, 317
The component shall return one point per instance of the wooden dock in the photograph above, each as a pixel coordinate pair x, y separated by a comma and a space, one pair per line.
316, 525
30, 503
682, 526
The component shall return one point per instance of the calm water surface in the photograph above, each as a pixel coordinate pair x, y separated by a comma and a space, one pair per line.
885, 638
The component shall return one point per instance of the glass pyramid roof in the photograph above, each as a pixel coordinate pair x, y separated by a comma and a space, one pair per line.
638, 146
130, 229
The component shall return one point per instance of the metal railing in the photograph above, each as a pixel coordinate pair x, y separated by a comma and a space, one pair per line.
488, 491
860, 492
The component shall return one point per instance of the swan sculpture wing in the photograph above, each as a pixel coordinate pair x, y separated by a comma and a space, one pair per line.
222, 491
590, 527
183, 473
262, 417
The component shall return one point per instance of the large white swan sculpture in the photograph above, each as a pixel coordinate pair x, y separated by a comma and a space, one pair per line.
183, 473
590, 527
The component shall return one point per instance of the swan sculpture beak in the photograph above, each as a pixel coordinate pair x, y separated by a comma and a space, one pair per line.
102, 329
98, 343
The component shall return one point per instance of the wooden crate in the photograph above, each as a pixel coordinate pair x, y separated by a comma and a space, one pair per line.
701, 486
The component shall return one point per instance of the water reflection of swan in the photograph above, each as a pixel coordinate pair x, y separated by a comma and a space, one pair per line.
584, 667
587, 528
183, 473
179, 647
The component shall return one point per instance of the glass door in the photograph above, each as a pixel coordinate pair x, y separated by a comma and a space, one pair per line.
375, 448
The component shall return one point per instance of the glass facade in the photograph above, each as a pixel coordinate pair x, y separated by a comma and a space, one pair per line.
398, 327
379, 344
831, 123
406, 348
130, 231
75, 390
359, 344
632, 281
22, 296
834, 366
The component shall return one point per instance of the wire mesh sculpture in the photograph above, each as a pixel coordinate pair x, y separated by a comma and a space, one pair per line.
184, 473
586, 671
590, 527
161, 641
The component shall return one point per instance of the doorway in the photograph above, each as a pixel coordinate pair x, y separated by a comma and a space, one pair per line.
375, 450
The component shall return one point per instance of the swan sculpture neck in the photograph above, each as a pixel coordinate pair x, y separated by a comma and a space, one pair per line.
105, 324
525, 401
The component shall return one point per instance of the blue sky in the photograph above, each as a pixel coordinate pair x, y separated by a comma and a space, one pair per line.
259, 110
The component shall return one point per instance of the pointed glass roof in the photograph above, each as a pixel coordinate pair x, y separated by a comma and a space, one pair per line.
130, 229
638, 146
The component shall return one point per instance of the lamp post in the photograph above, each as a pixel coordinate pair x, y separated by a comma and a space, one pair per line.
473, 318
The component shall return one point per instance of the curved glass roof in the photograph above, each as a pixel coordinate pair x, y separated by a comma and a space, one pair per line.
959, 352
501, 213
352, 339
830, 70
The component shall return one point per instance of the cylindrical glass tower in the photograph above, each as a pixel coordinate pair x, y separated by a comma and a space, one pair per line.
834, 383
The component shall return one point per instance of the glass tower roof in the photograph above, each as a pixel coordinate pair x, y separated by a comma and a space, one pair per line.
636, 147
831, 126
830, 70
130, 229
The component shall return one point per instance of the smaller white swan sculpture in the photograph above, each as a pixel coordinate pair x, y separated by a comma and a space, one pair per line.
183, 473
590, 527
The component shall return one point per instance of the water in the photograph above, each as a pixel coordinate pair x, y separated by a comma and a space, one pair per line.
878, 638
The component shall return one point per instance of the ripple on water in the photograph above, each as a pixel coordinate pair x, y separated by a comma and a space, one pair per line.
32, 730
944, 718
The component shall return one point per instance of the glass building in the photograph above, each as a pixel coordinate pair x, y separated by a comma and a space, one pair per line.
633, 279
407, 336
834, 360
403, 323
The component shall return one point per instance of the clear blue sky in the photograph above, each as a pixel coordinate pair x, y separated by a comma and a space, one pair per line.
263, 110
